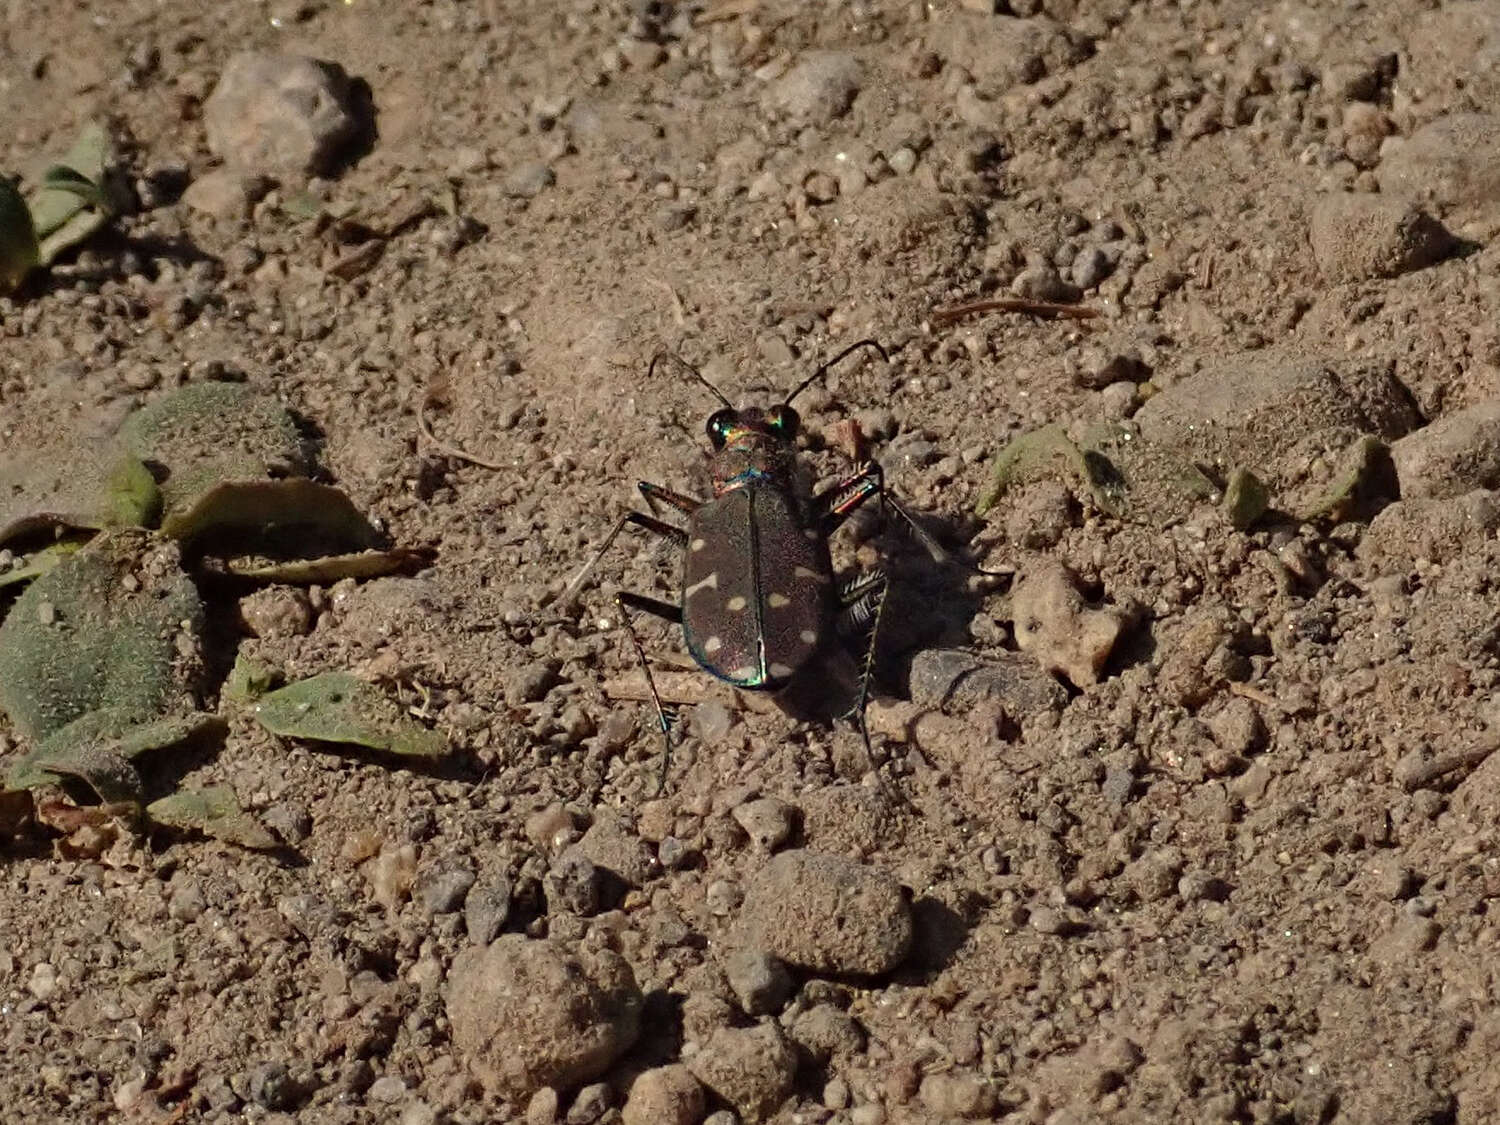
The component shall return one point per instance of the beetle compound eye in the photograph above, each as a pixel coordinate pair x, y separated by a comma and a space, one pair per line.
718, 427
783, 420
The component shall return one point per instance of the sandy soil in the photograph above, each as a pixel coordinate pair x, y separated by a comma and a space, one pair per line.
1196, 855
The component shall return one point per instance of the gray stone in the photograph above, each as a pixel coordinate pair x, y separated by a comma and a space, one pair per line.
760, 982
486, 909
280, 114
443, 888
768, 822
527, 181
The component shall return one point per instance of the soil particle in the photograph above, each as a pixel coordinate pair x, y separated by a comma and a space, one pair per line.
530, 1013
828, 914
751, 1068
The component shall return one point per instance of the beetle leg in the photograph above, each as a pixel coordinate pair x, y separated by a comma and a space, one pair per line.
669, 612
836, 505
861, 603
655, 493
629, 519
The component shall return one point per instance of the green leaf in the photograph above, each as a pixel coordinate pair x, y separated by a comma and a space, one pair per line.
215, 812
341, 708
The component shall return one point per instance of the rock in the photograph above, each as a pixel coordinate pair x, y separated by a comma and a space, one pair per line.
530, 1013
827, 1033
767, 821
573, 884
444, 887
1260, 409
486, 910
965, 1096
614, 848
760, 982
1432, 529
590, 1105
1453, 161
1456, 454
527, 181
225, 193
849, 819
750, 1068
388, 1090
666, 1095
827, 914
1357, 237
280, 114
270, 1086
1200, 654
542, 1107
1044, 283
1059, 629
958, 681
818, 89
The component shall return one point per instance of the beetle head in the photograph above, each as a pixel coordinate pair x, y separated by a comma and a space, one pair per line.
752, 444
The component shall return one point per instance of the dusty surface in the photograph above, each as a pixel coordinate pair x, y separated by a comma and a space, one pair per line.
1234, 879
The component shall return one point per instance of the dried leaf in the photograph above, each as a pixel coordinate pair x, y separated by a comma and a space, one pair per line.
338, 707
74, 486
327, 570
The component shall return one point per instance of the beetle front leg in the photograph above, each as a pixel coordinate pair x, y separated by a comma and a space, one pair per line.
843, 499
630, 519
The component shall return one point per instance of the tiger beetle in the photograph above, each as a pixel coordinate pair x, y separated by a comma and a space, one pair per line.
759, 598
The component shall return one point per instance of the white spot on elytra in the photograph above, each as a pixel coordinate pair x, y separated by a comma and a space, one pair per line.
780, 671
811, 532
697, 544
776, 601
712, 645
744, 673
735, 604
709, 583
804, 572
809, 637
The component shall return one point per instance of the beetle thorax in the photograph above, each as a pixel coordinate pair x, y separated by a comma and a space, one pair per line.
752, 454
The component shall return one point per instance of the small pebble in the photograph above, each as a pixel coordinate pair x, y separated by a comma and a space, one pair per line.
387, 1090
666, 1095
760, 981
443, 888
486, 909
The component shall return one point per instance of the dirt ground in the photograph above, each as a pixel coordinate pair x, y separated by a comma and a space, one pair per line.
1219, 844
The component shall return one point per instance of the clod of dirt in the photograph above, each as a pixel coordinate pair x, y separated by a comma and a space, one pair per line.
963, 1096
225, 193
751, 1068
1001, 52
1059, 629
216, 813
276, 113
276, 612
849, 819
1265, 408
80, 486
528, 1013
340, 708
827, 914
1357, 237
664, 1095
1457, 453
1453, 162
614, 848
114, 629
1201, 655
1434, 530
1452, 54
818, 89
207, 434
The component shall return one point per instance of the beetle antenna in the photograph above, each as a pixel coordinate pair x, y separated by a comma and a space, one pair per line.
820, 372
688, 367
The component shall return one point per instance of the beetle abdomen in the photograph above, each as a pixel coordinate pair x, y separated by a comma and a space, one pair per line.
756, 588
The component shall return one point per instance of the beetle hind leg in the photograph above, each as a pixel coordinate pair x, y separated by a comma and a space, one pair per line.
861, 604
665, 717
